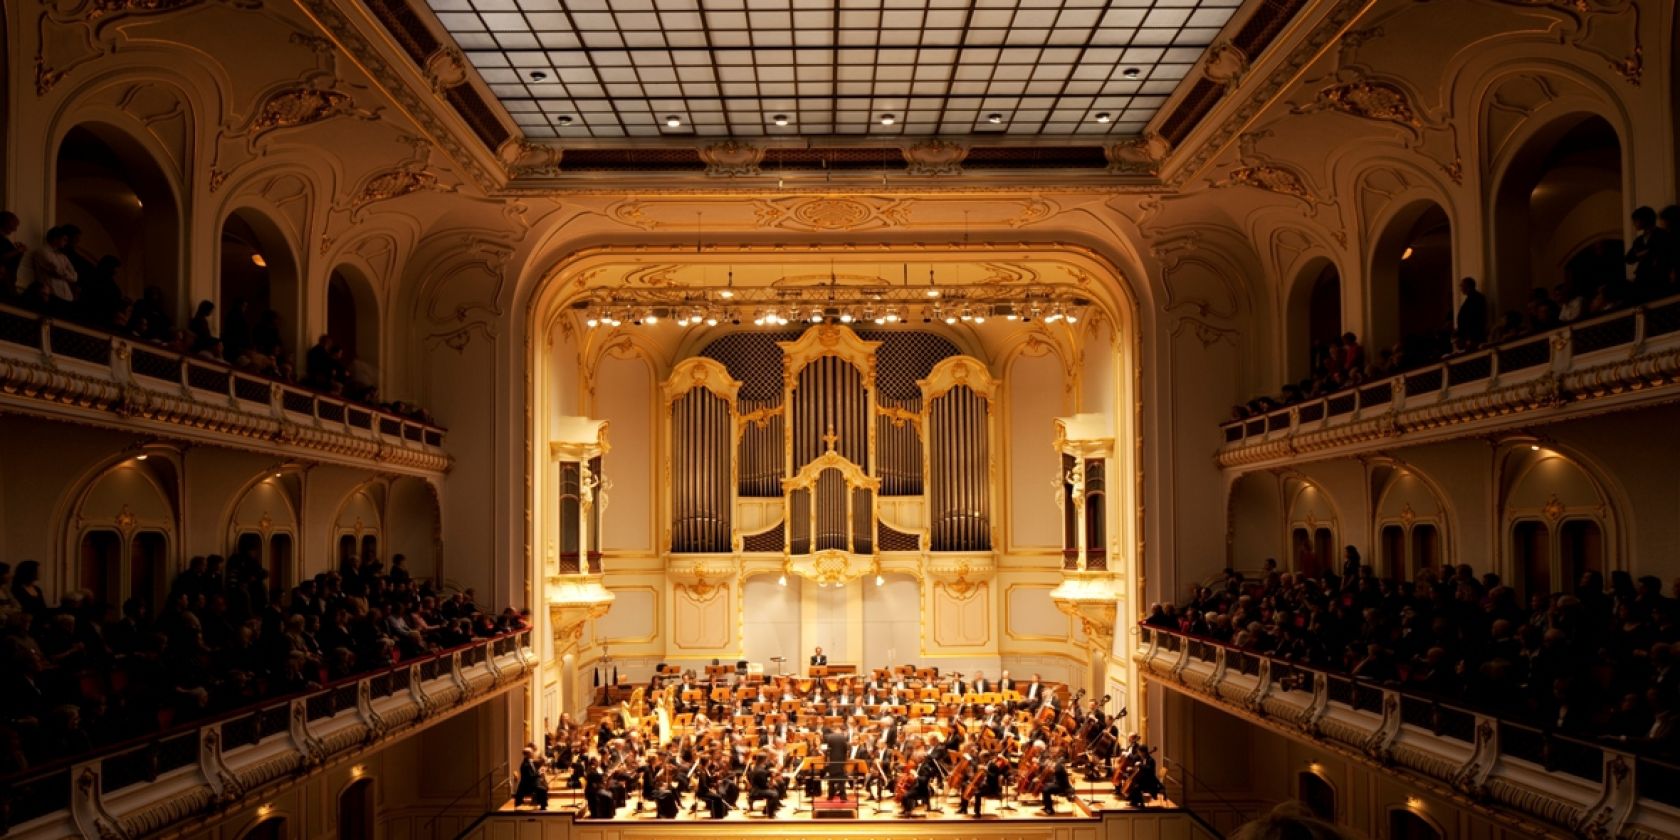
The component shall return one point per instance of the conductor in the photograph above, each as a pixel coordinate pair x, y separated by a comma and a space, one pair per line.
819, 658
836, 746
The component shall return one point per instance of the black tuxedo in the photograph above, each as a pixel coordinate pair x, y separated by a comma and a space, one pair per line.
835, 747
820, 659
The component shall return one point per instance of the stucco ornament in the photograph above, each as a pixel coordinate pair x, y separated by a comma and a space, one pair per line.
732, 159
934, 157
1141, 155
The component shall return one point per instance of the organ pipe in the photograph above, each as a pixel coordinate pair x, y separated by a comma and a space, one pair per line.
959, 491
700, 473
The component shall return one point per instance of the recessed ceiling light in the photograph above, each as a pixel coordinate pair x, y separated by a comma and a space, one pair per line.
258, 261
1131, 72
1407, 254
539, 75
781, 119
994, 119
1103, 117
888, 119
673, 121
564, 119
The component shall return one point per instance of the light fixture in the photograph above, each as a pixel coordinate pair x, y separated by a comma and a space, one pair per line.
265, 810
1414, 803
539, 75
650, 318
259, 261
1011, 315
593, 321
994, 119
1315, 767
729, 286
845, 317
1406, 254
357, 771
673, 121
141, 457
276, 475
1131, 72
1533, 446
781, 119
888, 119
880, 581
564, 119
781, 580
711, 319
1103, 117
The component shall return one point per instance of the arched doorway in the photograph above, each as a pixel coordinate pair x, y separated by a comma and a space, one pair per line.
1315, 315
1317, 794
357, 811
112, 189
1411, 288
1404, 824
1558, 214
272, 828
257, 288
353, 324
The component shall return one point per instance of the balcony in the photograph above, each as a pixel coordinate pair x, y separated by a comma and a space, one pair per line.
1626, 357
1577, 785
151, 783
63, 370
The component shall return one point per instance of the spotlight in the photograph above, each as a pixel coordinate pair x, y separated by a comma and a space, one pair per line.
888, 119
651, 318
892, 316
1103, 117
1071, 317
711, 320
845, 317
673, 121
1011, 314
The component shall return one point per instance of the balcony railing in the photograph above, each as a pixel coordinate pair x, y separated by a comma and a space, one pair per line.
213, 761
136, 379
1560, 779
1422, 397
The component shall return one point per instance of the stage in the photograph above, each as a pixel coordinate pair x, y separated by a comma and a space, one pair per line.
1109, 821
793, 811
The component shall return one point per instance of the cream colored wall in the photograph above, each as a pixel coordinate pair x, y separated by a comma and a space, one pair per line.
46, 468
1612, 467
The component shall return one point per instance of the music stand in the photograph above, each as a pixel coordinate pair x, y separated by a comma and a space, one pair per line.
778, 660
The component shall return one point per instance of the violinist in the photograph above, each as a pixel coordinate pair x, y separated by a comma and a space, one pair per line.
595, 792
1056, 782
762, 783
709, 789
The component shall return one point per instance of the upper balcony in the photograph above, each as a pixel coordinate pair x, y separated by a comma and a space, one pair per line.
59, 369
159, 781
1585, 787
1622, 358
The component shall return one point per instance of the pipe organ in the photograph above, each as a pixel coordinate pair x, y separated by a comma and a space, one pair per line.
830, 421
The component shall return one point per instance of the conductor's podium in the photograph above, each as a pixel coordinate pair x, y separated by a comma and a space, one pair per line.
843, 808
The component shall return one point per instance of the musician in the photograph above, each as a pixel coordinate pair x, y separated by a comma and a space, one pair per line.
595, 793
1005, 683
708, 790
1057, 782
1034, 695
836, 747
979, 685
762, 784
920, 788
1143, 781
667, 802
988, 784
532, 782
819, 658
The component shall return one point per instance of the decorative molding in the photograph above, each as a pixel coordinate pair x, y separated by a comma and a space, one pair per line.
732, 159
934, 157
1142, 155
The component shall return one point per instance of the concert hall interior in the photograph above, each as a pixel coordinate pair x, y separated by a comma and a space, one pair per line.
1046, 419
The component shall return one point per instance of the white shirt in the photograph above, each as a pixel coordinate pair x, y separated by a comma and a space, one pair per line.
54, 270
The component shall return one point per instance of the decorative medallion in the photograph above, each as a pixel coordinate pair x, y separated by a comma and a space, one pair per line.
731, 159
1369, 100
831, 213
303, 106
934, 157
1553, 509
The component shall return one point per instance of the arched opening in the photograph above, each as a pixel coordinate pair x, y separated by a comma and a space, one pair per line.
272, 828
122, 530
357, 811
1557, 216
1315, 316
258, 292
111, 188
1559, 522
1411, 298
353, 324
1403, 824
1317, 794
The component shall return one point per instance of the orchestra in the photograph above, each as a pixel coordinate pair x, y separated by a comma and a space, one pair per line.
905, 736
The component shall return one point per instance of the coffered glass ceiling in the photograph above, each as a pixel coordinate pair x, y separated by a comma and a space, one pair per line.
687, 69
